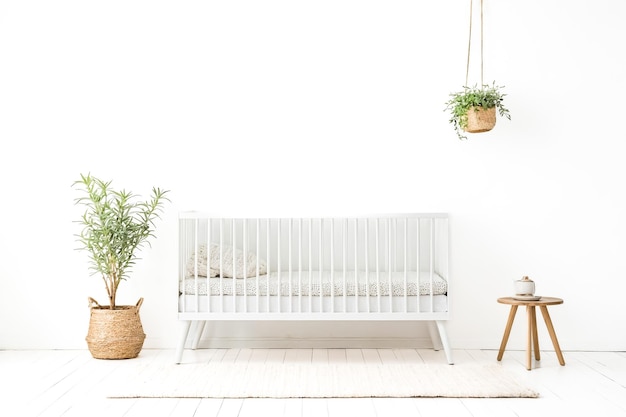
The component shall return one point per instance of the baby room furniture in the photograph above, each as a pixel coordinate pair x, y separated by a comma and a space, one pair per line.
377, 268
531, 303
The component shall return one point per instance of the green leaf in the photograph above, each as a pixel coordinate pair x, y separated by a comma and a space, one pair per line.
114, 227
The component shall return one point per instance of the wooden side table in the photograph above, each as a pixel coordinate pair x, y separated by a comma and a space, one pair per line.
533, 341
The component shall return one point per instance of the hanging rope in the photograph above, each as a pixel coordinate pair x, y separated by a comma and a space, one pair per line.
481, 44
469, 43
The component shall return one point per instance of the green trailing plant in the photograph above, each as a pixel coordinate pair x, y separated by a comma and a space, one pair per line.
114, 226
486, 97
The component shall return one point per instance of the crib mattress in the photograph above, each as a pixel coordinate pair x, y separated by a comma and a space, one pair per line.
284, 307
319, 283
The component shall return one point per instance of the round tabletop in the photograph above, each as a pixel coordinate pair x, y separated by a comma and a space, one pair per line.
543, 301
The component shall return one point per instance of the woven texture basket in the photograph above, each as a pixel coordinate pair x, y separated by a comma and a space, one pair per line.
480, 119
115, 334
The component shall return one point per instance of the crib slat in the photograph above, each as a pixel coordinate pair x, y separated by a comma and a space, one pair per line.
279, 266
242, 223
195, 279
356, 266
432, 261
244, 245
208, 265
378, 296
367, 266
258, 265
418, 266
222, 265
405, 252
300, 265
390, 266
290, 269
320, 262
310, 265
343, 262
269, 256
233, 240
332, 265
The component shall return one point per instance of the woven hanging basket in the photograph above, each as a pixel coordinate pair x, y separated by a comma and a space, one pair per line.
480, 119
115, 334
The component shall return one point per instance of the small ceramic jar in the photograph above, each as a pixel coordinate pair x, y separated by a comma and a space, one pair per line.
524, 286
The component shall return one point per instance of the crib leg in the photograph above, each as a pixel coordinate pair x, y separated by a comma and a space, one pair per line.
434, 335
184, 331
444, 340
199, 330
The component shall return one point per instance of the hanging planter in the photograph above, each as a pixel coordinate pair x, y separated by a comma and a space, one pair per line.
473, 110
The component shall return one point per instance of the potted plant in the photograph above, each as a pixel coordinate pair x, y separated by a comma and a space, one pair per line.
114, 227
473, 110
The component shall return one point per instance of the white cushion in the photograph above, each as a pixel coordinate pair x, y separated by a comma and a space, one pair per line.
223, 261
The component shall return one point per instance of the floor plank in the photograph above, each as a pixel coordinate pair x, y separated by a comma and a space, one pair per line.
208, 407
388, 356
435, 407
315, 407
231, 407
292, 407
371, 356
319, 356
298, 355
254, 407
354, 356
259, 355
276, 356
342, 407
402, 407
336, 356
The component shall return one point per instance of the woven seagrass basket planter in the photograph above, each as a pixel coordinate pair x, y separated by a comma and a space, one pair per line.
115, 334
480, 119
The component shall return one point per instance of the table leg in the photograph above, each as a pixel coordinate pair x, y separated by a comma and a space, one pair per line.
529, 337
555, 342
535, 338
507, 331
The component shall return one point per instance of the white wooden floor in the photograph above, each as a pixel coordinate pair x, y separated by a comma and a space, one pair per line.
69, 383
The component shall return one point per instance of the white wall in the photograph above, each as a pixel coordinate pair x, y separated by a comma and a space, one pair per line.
317, 106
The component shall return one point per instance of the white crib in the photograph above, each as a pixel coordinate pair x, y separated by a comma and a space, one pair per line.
383, 267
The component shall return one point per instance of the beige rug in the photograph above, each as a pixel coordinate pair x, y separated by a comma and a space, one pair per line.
257, 380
